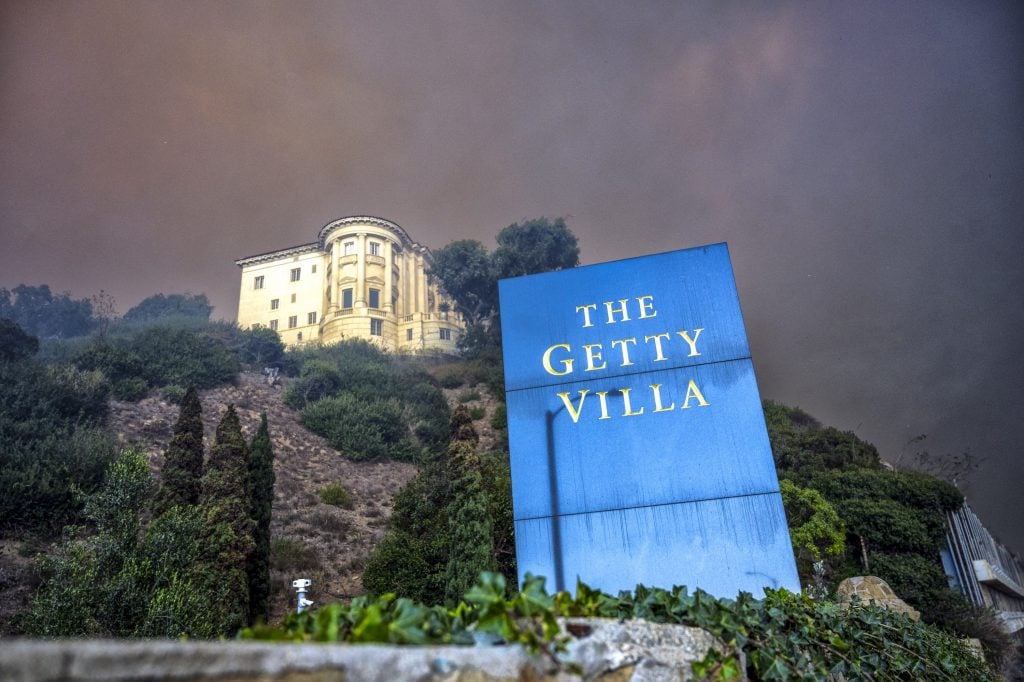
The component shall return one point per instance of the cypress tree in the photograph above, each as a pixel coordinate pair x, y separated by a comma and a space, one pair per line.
470, 531
183, 462
261, 482
226, 506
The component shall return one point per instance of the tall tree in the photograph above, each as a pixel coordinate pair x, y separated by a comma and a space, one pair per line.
539, 245
470, 531
183, 463
261, 483
173, 305
468, 276
226, 506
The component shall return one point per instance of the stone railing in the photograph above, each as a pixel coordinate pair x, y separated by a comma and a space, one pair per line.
601, 650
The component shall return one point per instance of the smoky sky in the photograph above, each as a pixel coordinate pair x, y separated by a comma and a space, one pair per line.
862, 160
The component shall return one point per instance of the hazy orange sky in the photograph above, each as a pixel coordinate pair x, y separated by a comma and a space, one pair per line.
863, 160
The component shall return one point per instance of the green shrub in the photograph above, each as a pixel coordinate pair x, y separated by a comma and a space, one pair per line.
499, 420
361, 429
183, 356
336, 494
317, 380
469, 396
478, 412
130, 390
173, 394
451, 380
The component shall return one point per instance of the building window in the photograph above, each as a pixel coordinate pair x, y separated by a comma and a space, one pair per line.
273, 325
374, 248
311, 318
346, 298
296, 274
299, 337
293, 298
348, 248
408, 335
376, 327
374, 298
274, 303
293, 321
313, 269
446, 334
257, 282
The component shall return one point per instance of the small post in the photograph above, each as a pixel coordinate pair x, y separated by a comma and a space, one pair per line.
301, 585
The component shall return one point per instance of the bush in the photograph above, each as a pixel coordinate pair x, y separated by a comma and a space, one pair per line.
183, 356
469, 396
173, 394
336, 494
361, 429
130, 390
451, 380
478, 412
499, 420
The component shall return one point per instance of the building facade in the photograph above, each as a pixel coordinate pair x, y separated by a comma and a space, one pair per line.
363, 278
983, 570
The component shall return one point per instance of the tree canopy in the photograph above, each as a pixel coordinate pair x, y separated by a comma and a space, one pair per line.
160, 306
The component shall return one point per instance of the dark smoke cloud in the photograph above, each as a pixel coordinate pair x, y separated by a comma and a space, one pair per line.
863, 161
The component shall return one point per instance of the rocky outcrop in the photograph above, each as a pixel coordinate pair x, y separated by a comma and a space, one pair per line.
873, 590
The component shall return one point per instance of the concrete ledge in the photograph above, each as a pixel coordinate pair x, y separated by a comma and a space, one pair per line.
603, 650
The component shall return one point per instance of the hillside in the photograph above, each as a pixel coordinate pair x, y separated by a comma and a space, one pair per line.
310, 539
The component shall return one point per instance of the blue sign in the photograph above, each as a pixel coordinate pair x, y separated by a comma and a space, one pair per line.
638, 445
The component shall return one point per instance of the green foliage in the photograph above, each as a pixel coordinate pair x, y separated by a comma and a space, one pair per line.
318, 379
174, 355
160, 306
337, 495
497, 479
129, 390
51, 447
478, 412
261, 495
116, 362
173, 394
469, 275
467, 272
42, 314
535, 246
394, 408
783, 636
225, 504
15, 344
499, 420
470, 533
469, 396
362, 429
183, 461
815, 528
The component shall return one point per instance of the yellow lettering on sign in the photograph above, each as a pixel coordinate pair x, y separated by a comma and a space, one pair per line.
612, 310
594, 356
657, 345
574, 410
586, 313
566, 364
625, 350
646, 307
693, 392
692, 342
656, 391
628, 409
603, 397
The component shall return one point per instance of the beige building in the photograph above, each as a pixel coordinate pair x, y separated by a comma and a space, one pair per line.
363, 278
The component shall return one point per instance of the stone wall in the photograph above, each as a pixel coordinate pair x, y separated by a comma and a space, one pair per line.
602, 650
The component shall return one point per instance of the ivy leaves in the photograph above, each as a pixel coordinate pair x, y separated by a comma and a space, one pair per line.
782, 637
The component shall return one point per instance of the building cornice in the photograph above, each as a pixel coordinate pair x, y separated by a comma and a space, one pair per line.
393, 228
276, 255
